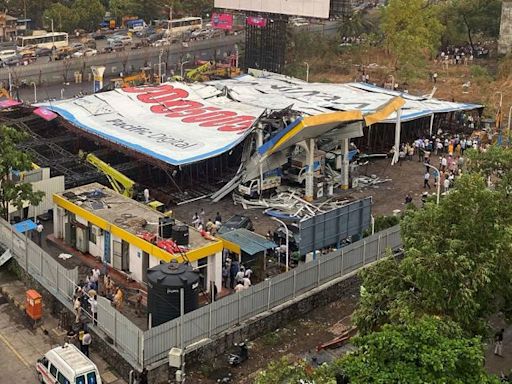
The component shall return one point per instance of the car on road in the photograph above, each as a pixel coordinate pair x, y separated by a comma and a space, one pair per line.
155, 37
87, 52
43, 52
161, 43
7, 53
12, 61
236, 222
77, 47
126, 40
116, 45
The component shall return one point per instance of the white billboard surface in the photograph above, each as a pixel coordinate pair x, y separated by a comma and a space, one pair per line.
307, 8
175, 123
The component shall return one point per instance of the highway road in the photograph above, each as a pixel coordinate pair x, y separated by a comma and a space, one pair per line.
45, 73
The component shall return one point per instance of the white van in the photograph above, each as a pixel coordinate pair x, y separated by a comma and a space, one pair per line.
7, 53
67, 365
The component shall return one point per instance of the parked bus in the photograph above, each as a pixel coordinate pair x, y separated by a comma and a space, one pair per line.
45, 40
180, 26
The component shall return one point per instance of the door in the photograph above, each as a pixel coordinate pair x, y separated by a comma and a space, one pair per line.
117, 254
125, 256
106, 247
145, 266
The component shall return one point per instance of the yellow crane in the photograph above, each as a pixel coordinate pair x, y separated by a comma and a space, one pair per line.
120, 183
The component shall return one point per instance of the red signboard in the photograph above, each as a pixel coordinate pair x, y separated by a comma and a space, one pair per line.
222, 21
256, 21
9, 103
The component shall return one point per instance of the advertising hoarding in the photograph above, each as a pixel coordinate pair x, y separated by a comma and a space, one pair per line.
307, 8
222, 21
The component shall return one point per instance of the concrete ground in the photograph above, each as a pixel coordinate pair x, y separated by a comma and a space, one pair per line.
21, 344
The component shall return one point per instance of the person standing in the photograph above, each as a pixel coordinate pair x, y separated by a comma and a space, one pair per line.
426, 180
93, 304
77, 307
201, 217
86, 342
143, 378
39, 230
498, 343
446, 184
119, 299
146, 195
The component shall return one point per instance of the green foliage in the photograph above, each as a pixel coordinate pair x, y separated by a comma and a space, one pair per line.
427, 351
412, 32
88, 13
355, 25
457, 257
64, 18
13, 159
480, 74
466, 18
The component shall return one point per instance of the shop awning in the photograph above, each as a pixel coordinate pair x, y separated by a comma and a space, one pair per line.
247, 241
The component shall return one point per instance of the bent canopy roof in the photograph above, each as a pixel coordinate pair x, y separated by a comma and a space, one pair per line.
270, 90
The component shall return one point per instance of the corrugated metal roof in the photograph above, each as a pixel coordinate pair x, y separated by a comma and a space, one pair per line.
249, 242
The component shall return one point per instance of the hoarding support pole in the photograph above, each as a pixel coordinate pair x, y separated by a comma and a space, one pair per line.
345, 165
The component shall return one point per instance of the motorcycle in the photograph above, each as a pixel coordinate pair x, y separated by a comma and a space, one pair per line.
235, 359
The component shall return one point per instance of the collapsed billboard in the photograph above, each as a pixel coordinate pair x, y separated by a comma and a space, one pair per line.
172, 122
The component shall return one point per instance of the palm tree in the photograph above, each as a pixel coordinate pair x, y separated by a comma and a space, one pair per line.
354, 24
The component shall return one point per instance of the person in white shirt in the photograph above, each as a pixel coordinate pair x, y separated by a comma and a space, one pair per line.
39, 230
93, 302
146, 195
240, 275
248, 273
239, 287
446, 184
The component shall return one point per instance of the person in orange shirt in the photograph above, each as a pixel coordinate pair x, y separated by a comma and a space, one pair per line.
450, 148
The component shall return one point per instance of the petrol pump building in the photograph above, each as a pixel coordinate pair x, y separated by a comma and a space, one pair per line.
124, 234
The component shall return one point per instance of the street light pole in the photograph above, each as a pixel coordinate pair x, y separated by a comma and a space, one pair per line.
35, 92
307, 72
181, 68
438, 181
169, 26
287, 239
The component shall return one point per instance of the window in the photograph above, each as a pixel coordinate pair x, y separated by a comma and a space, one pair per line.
92, 235
91, 378
44, 361
62, 379
53, 370
80, 380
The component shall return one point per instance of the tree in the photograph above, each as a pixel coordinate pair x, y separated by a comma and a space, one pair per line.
412, 31
355, 24
89, 13
471, 17
12, 192
427, 351
457, 256
64, 19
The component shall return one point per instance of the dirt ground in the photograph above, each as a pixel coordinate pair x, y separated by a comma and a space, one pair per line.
296, 340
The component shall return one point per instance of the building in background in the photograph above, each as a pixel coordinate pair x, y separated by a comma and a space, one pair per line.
7, 27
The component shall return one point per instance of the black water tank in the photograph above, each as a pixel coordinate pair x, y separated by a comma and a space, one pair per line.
165, 227
180, 234
165, 282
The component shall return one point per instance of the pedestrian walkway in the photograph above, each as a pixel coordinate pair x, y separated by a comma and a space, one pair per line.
14, 290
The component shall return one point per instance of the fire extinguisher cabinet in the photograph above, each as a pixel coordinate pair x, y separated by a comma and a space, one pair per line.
33, 304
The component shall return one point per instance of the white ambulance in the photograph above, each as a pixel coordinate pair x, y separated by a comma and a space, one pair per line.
67, 365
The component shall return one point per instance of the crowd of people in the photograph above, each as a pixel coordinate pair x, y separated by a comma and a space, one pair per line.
450, 152
210, 226
235, 276
464, 54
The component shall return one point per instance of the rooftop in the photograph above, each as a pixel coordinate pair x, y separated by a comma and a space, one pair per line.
122, 211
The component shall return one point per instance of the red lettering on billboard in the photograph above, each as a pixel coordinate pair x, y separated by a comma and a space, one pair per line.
172, 102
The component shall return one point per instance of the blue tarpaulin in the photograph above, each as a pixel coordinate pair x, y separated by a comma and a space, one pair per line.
24, 226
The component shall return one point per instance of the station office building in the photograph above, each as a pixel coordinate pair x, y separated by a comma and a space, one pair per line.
100, 222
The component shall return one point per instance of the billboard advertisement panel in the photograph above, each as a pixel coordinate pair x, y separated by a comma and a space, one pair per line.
256, 21
170, 122
222, 21
307, 8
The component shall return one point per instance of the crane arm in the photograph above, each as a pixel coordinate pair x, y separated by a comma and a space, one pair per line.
120, 183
